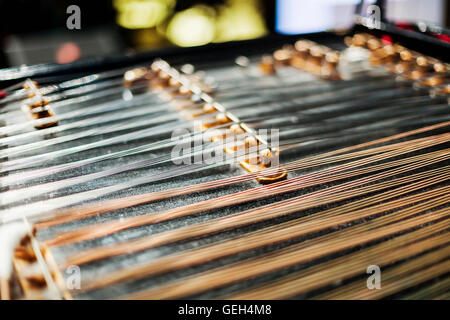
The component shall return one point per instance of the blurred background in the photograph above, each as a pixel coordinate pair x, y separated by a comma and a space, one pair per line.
35, 31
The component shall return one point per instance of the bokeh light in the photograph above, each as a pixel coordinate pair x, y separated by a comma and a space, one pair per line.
141, 14
240, 20
198, 25
192, 27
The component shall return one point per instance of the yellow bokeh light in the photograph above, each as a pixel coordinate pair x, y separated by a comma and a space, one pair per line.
191, 27
140, 14
198, 25
240, 20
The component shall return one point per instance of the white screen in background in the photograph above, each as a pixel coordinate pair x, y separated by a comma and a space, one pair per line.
306, 16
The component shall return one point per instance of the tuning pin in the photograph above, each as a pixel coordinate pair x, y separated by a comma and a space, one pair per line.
242, 61
184, 91
348, 41
440, 67
39, 109
267, 65
360, 40
251, 142
329, 66
236, 129
40, 102
30, 84
155, 67
406, 62
209, 108
174, 83
161, 81
284, 55
440, 91
41, 112
301, 53
420, 67
222, 118
188, 69
131, 76
382, 56
268, 157
406, 55
314, 61
373, 44
434, 80
303, 45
